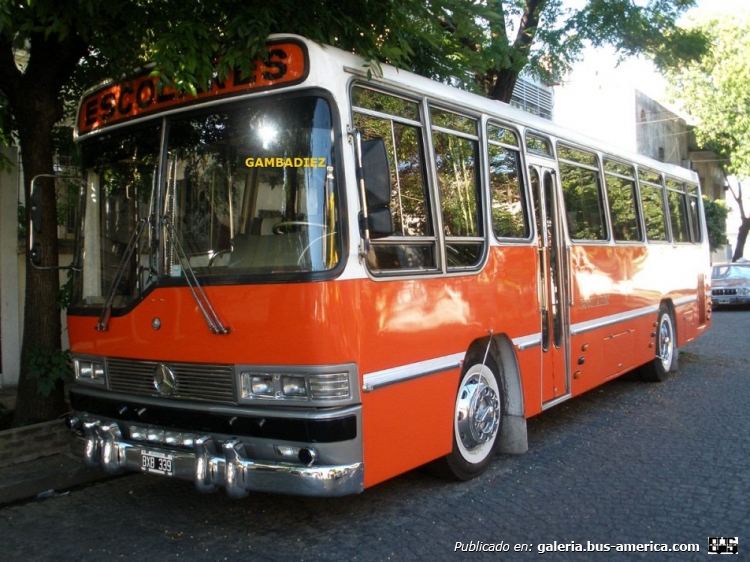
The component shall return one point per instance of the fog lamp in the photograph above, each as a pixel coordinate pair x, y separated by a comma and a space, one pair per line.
137, 433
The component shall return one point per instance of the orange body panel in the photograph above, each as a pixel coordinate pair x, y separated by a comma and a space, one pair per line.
618, 280
407, 425
385, 324
378, 325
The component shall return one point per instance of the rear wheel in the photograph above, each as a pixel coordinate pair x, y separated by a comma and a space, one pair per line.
666, 349
477, 417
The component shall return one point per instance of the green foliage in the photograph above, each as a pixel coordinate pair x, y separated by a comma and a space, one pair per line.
48, 368
716, 91
65, 295
450, 40
716, 222
22, 222
545, 37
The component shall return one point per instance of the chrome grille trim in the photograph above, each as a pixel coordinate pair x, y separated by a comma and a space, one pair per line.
195, 381
724, 292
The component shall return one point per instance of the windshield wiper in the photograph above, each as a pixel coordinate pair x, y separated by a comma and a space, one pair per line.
212, 319
103, 324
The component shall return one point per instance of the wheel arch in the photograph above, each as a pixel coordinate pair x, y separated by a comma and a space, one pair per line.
513, 436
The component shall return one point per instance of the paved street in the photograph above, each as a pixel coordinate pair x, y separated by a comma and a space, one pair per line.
627, 463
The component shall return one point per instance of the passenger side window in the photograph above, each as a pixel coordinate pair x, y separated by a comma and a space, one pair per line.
456, 146
413, 246
678, 213
619, 179
653, 205
509, 210
581, 185
696, 227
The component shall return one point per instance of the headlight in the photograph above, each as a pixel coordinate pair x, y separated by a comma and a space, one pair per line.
89, 370
264, 385
258, 385
293, 386
315, 387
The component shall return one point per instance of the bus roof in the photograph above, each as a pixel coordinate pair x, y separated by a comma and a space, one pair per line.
293, 61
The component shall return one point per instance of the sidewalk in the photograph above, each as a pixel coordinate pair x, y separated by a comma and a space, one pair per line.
35, 460
45, 477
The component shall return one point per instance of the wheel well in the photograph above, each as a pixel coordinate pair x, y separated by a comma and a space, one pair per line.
513, 439
673, 311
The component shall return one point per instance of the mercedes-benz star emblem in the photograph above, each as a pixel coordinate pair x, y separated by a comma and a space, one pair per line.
165, 381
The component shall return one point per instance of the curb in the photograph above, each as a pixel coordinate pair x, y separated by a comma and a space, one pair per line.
45, 477
31, 442
36, 461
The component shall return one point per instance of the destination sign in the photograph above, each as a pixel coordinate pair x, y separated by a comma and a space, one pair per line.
285, 63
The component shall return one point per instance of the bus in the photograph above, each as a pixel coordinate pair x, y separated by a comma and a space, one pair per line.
322, 275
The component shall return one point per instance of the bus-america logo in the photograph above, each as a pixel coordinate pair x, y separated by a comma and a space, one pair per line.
285, 63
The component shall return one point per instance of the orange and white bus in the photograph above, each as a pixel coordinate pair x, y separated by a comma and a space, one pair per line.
313, 279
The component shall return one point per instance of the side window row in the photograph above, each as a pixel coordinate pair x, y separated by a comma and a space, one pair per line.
413, 247
455, 156
580, 174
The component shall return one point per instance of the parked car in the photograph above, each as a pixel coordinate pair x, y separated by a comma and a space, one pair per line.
730, 284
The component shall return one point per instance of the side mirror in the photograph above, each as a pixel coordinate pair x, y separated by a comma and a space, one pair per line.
36, 217
375, 173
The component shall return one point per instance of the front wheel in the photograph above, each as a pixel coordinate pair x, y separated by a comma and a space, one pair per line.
477, 418
666, 349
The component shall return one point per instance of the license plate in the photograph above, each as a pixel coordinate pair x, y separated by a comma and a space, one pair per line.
722, 301
157, 463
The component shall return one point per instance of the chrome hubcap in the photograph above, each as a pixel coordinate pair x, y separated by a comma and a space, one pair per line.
666, 344
477, 413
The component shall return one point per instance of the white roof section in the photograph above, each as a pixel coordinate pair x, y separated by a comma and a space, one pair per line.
387, 75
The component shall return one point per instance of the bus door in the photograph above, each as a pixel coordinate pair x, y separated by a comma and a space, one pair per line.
553, 289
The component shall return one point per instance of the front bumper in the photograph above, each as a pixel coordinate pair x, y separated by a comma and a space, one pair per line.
730, 300
211, 465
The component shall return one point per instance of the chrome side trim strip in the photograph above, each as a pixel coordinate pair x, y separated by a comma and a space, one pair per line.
589, 325
685, 300
556, 401
525, 342
379, 379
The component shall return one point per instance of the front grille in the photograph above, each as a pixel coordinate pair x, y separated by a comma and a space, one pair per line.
723, 292
195, 381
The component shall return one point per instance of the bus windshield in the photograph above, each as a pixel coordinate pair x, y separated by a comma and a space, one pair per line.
241, 190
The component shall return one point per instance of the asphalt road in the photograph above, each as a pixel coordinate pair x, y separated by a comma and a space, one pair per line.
627, 464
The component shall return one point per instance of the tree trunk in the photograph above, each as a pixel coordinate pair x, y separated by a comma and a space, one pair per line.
503, 84
741, 239
35, 100
500, 81
41, 327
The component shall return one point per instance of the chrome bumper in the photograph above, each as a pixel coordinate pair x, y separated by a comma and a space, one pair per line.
211, 467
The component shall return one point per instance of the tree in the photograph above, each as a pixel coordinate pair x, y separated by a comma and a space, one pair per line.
70, 43
544, 38
716, 222
715, 91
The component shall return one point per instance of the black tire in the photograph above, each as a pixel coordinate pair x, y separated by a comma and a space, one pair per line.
665, 362
477, 419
